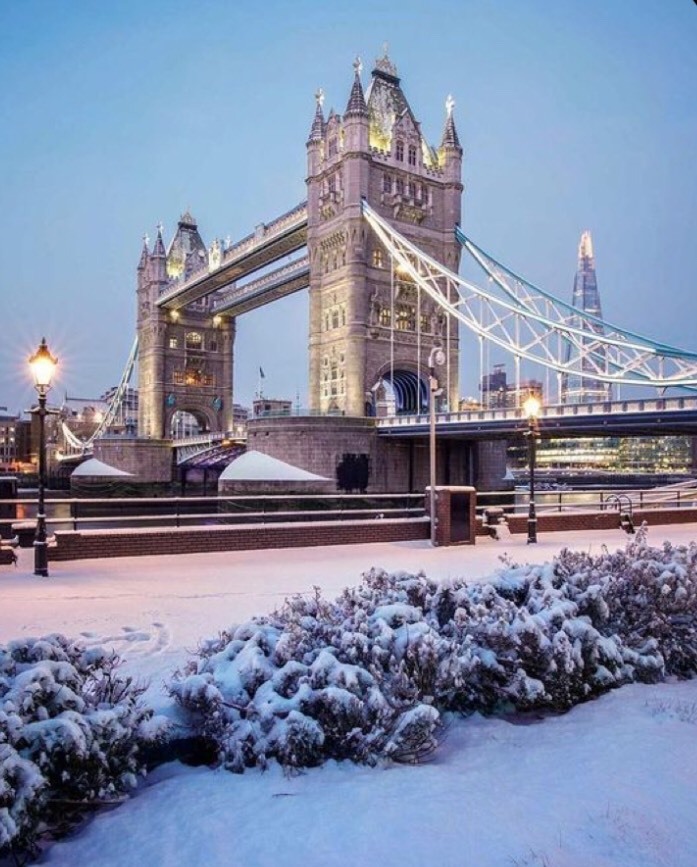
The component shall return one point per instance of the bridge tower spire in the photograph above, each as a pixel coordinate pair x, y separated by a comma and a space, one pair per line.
368, 324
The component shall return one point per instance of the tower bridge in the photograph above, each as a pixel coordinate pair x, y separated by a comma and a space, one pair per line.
378, 244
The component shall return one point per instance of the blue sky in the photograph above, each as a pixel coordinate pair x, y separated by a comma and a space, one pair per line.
113, 117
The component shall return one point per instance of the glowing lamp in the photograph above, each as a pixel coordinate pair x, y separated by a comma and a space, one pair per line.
43, 366
532, 407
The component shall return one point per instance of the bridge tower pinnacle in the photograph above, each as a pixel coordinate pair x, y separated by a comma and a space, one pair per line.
369, 325
185, 355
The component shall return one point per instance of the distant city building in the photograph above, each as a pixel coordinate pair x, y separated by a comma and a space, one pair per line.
622, 455
271, 406
14, 442
590, 354
240, 414
498, 393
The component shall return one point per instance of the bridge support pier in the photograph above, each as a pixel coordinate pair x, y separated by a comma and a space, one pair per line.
489, 466
148, 461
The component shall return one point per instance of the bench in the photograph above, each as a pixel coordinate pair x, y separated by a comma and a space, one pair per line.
24, 531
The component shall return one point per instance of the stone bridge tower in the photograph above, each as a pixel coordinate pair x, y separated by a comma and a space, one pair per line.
366, 327
184, 356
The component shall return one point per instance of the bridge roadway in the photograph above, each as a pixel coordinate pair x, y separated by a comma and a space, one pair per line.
266, 245
646, 417
272, 286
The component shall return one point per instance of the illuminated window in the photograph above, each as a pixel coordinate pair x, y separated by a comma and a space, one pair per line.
412, 155
406, 320
194, 340
385, 317
399, 151
173, 343
378, 260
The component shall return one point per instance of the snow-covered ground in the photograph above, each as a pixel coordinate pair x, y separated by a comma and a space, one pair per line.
612, 782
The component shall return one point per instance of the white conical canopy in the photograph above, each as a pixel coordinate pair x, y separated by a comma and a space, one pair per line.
256, 467
97, 469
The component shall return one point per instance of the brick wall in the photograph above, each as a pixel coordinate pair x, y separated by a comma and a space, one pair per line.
133, 543
560, 521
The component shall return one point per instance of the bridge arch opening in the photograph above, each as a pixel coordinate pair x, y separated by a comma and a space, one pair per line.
187, 423
398, 392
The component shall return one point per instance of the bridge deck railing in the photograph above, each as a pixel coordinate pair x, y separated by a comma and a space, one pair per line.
615, 407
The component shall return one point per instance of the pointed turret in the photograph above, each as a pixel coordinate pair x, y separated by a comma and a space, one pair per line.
356, 104
450, 137
144, 255
317, 128
158, 259
355, 120
159, 248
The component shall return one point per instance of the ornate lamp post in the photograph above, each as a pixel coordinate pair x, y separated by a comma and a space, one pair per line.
531, 408
437, 356
43, 365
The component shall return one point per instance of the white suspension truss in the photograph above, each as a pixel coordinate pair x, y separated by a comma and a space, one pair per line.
533, 325
78, 445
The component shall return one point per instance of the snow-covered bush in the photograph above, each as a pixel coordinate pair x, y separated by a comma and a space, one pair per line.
71, 732
649, 597
369, 674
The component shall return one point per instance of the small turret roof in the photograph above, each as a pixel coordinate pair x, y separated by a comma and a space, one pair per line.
145, 253
159, 248
357, 104
450, 136
317, 128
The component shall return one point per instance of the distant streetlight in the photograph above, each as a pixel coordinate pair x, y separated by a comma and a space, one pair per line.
436, 357
43, 365
531, 408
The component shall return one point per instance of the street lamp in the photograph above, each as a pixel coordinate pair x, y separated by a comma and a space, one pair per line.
531, 408
437, 356
43, 365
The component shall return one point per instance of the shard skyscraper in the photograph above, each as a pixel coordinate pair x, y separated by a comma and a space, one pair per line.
589, 355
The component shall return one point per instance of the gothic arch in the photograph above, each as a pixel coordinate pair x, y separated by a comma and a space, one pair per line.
409, 390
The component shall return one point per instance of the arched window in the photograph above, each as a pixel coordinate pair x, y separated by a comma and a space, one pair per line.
194, 340
412, 155
399, 151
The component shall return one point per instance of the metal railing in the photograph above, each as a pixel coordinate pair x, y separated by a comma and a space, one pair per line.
680, 496
132, 512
